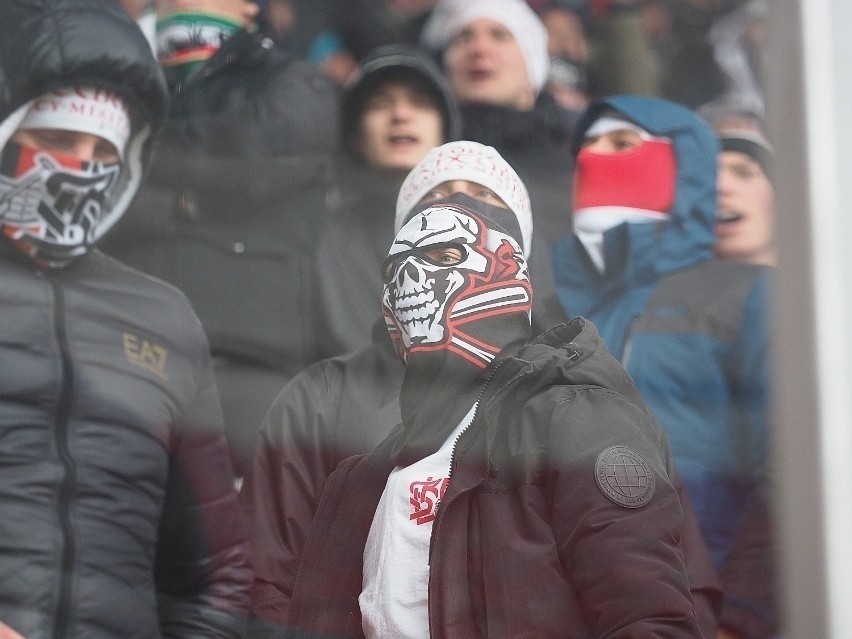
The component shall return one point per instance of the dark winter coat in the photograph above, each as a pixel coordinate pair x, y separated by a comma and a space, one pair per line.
238, 191
344, 406
117, 509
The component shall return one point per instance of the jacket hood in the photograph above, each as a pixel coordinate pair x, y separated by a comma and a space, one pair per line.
569, 354
396, 60
689, 233
52, 44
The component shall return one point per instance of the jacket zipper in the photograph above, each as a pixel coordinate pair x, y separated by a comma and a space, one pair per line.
438, 508
627, 349
66, 488
573, 355
455, 446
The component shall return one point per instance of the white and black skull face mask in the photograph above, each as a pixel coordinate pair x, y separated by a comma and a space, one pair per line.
51, 204
470, 307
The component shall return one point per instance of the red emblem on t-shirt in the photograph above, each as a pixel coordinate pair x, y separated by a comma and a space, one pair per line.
424, 499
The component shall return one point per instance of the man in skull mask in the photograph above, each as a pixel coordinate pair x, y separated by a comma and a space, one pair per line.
530, 448
117, 508
345, 405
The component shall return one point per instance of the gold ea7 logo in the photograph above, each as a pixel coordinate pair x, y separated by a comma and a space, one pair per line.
141, 352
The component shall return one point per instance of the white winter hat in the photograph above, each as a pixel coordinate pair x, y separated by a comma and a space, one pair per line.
470, 161
84, 109
451, 16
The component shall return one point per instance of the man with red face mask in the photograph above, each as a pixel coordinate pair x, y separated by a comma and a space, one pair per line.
118, 513
691, 330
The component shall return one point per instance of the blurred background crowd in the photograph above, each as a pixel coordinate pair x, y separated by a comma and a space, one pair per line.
621, 146
271, 198
267, 203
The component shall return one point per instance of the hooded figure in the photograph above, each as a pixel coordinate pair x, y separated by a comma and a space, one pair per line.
123, 102
117, 508
690, 329
345, 405
395, 62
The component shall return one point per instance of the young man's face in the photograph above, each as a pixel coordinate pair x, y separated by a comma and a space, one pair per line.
745, 206
484, 64
400, 122
611, 142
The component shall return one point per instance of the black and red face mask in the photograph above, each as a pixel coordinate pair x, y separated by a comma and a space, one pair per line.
51, 204
472, 308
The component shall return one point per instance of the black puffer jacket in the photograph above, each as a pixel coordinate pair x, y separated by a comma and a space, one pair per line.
118, 516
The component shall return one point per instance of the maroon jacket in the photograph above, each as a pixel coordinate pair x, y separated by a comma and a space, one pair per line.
525, 539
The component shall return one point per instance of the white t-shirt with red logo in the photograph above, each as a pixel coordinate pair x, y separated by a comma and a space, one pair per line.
394, 599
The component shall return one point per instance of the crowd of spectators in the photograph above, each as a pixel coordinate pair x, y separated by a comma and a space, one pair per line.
301, 136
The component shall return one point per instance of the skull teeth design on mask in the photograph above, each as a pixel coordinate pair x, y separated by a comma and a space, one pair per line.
418, 301
425, 301
52, 205
420, 289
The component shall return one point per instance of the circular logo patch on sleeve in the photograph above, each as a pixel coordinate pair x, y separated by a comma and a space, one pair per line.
624, 477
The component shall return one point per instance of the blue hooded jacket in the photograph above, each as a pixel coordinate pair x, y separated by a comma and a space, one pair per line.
690, 329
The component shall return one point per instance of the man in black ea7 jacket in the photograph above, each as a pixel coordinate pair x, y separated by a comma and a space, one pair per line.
118, 514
